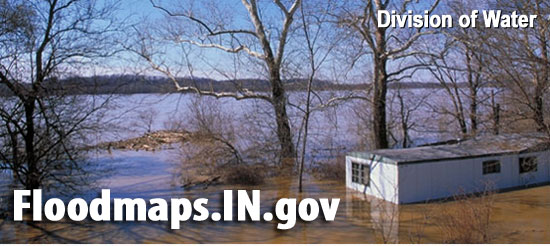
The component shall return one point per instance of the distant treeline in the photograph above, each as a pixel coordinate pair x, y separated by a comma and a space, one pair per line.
133, 84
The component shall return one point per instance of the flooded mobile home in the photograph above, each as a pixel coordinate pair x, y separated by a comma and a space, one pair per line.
443, 170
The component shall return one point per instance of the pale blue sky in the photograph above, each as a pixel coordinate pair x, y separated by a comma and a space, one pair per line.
137, 10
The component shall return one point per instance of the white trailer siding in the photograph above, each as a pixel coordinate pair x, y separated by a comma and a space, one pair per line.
434, 180
542, 174
430, 180
383, 179
436, 172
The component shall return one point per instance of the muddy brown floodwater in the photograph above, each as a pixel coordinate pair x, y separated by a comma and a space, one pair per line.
521, 216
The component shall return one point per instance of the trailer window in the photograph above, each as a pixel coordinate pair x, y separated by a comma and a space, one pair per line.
528, 164
360, 173
491, 167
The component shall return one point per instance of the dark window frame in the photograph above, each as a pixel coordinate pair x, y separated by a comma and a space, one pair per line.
491, 167
360, 173
528, 164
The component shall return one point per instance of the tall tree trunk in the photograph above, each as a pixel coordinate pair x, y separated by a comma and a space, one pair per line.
473, 111
539, 108
404, 118
379, 107
473, 82
284, 134
496, 114
380, 133
541, 85
460, 111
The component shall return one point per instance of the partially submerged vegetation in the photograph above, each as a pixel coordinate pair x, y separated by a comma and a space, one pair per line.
149, 141
217, 151
467, 220
331, 169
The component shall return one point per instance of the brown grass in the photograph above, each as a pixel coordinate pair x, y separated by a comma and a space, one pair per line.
467, 219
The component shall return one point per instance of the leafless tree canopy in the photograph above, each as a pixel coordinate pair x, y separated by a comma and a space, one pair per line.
262, 38
384, 46
42, 41
520, 63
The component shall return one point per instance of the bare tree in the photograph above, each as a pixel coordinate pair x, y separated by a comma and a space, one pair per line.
521, 61
460, 68
263, 40
307, 111
40, 42
312, 25
384, 46
404, 106
146, 119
